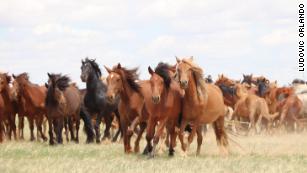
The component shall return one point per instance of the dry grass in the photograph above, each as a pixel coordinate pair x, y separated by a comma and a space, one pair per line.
262, 153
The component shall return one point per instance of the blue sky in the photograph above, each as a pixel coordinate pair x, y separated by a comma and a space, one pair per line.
229, 37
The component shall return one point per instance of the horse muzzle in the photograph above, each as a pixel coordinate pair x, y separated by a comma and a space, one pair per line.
184, 84
155, 99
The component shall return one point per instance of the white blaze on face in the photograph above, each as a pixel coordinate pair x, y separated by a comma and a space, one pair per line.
111, 76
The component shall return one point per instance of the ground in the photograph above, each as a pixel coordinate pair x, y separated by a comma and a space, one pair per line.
259, 153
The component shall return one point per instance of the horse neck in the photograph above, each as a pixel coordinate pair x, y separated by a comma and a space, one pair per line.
28, 92
191, 94
92, 82
127, 92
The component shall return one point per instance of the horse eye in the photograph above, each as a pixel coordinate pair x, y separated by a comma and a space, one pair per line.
117, 80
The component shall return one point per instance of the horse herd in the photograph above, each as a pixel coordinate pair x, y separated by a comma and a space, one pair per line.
176, 98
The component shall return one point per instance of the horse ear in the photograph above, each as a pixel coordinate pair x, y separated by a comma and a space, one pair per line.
150, 70
177, 59
191, 58
119, 66
108, 70
46, 85
49, 75
14, 76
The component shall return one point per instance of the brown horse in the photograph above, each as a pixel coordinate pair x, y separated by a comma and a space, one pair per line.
202, 104
30, 99
122, 83
164, 108
7, 112
63, 101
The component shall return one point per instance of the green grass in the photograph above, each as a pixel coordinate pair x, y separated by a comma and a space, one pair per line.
261, 153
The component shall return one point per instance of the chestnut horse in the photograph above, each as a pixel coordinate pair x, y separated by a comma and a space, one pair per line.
165, 107
202, 104
63, 101
7, 112
30, 99
252, 107
122, 84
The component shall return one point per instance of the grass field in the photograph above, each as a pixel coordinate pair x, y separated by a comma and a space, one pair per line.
260, 153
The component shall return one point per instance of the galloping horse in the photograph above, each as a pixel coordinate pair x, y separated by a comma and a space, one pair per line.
122, 84
95, 101
62, 101
7, 112
30, 99
165, 108
202, 103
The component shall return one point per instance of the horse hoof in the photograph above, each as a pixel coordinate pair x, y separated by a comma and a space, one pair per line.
98, 141
171, 153
89, 140
145, 152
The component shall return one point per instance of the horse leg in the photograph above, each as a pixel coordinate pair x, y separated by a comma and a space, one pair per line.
258, 124
20, 126
119, 128
157, 136
39, 122
172, 143
77, 128
199, 139
192, 134
137, 141
133, 125
150, 132
60, 123
108, 119
97, 127
221, 136
84, 114
124, 126
181, 134
1, 128
12, 125
71, 128
50, 122
66, 128
31, 125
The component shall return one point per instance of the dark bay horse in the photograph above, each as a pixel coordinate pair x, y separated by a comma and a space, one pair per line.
7, 112
30, 99
63, 101
202, 103
165, 106
228, 89
95, 101
122, 84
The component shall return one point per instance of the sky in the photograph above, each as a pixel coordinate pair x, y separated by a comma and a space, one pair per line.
224, 37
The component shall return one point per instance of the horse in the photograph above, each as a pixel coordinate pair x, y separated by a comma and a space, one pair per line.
202, 103
30, 99
165, 107
228, 89
95, 101
62, 102
252, 107
7, 111
122, 85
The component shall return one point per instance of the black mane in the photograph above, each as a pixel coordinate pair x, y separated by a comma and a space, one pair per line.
94, 65
131, 76
163, 70
59, 81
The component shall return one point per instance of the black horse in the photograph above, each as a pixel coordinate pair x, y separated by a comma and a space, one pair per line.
95, 101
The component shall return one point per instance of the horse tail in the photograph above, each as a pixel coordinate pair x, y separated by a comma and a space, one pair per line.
88, 127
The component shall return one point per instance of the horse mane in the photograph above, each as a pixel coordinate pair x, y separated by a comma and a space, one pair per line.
163, 70
24, 75
62, 82
57, 80
130, 75
94, 65
197, 73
